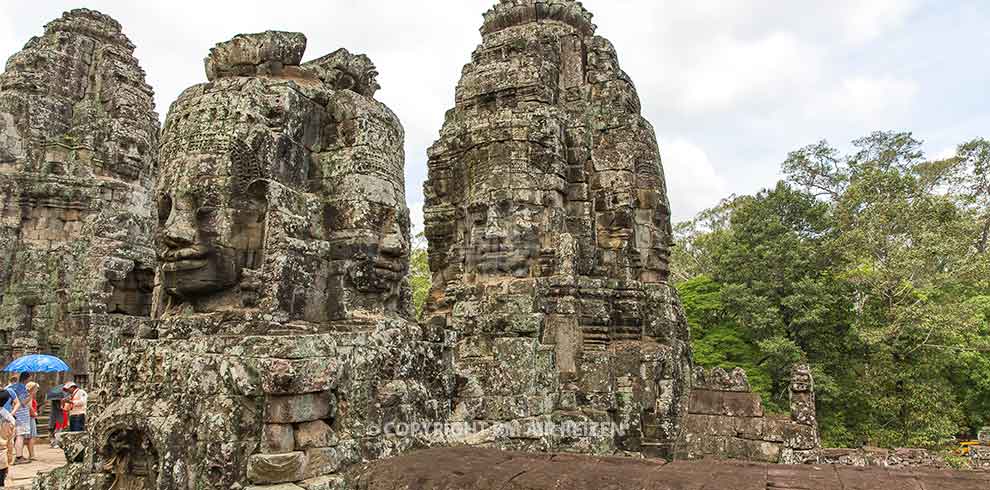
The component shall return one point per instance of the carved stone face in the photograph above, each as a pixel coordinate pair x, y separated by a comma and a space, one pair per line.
371, 242
615, 227
503, 237
208, 234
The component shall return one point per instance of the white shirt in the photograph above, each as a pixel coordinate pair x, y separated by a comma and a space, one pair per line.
78, 402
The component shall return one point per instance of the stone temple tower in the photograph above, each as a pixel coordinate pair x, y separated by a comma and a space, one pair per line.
279, 349
78, 157
549, 240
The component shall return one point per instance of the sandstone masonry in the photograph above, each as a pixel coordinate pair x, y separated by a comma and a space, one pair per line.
78, 156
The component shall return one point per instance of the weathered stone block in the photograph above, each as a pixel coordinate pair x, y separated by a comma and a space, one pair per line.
765, 451
277, 438
800, 436
243, 54
980, 453
742, 404
290, 409
505, 407
277, 468
774, 429
722, 426
317, 433
324, 483
705, 402
751, 428
326, 461
75, 445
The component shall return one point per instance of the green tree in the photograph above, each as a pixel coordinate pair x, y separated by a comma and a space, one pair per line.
419, 272
872, 266
906, 251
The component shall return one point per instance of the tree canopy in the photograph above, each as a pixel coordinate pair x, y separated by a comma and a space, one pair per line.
870, 266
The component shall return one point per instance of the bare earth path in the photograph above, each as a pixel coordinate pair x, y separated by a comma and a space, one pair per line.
464, 468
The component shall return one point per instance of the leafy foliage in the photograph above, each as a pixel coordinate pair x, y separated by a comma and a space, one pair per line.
419, 273
870, 266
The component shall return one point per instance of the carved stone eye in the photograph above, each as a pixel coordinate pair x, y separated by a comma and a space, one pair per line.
345, 82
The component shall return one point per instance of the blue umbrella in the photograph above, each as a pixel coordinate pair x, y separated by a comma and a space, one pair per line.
37, 363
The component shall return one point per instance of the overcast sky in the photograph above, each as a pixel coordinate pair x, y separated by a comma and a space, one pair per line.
730, 85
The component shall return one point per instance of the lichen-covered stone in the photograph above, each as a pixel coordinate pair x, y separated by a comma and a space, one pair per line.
278, 438
78, 156
314, 434
280, 340
325, 483
726, 420
268, 53
290, 409
547, 212
277, 468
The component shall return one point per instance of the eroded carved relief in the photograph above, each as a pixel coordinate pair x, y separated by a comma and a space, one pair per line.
78, 155
132, 459
309, 136
549, 233
280, 345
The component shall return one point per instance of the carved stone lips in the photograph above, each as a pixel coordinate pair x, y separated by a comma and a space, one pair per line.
184, 259
184, 265
382, 264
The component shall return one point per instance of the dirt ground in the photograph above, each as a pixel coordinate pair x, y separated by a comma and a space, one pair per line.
46, 459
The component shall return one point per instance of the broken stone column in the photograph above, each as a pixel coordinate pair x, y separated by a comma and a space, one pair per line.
78, 157
282, 351
549, 239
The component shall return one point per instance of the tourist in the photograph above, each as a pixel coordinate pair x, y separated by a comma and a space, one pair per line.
8, 405
59, 420
76, 406
22, 415
33, 400
6, 434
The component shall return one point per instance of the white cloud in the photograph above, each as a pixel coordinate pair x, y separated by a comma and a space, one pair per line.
729, 70
866, 20
692, 181
944, 153
871, 102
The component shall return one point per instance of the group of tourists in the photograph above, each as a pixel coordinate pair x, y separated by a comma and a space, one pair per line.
19, 409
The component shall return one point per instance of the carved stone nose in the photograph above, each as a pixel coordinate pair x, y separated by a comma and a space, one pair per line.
394, 244
180, 228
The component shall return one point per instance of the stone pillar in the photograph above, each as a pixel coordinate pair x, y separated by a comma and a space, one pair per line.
980, 455
802, 393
